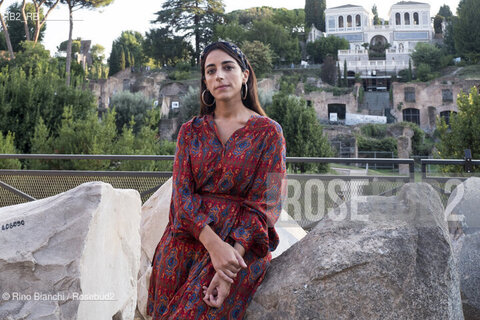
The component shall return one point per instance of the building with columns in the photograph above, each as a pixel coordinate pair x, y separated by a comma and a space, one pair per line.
379, 49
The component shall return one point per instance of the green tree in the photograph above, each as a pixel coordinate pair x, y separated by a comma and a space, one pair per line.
448, 37
345, 73
165, 48
7, 146
376, 19
463, 131
291, 20
259, 55
39, 20
33, 86
41, 143
467, 30
279, 28
285, 46
324, 47
130, 106
232, 31
76, 44
424, 72
428, 54
302, 131
328, 73
6, 34
85, 136
74, 5
192, 18
98, 69
445, 11
315, 14
130, 43
16, 27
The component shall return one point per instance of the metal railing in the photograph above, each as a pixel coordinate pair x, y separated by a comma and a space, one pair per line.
17, 186
446, 182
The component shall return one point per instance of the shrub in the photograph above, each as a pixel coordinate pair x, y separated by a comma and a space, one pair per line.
372, 144
373, 130
7, 146
424, 72
130, 106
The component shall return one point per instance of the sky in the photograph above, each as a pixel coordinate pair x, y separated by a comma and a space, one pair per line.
104, 25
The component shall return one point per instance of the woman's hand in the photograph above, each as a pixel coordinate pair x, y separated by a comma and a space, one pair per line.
226, 260
217, 291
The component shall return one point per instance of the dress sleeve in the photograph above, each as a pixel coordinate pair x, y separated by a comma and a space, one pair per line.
189, 216
254, 228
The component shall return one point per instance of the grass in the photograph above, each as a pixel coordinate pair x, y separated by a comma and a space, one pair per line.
471, 71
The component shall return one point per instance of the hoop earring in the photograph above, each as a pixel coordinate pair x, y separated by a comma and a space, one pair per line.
203, 99
244, 97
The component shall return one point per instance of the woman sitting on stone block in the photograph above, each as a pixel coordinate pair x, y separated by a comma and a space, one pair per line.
228, 183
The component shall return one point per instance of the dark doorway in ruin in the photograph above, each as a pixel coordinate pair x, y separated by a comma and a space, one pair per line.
339, 109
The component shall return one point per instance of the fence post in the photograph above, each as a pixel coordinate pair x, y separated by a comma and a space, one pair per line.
411, 167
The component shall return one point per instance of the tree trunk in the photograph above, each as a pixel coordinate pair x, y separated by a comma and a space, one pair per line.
69, 44
25, 21
197, 34
39, 24
7, 37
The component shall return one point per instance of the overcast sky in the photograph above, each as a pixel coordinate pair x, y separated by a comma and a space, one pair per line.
105, 25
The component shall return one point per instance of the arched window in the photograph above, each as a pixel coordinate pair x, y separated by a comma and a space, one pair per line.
349, 21
415, 18
398, 21
358, 22
407, 18
340, 22
411, 115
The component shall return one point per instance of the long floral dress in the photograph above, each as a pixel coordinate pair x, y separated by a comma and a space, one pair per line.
235, 188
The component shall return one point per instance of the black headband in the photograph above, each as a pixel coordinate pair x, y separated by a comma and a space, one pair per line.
232, 47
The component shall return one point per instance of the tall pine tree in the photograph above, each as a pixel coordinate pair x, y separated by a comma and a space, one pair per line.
192, 18
466, 30
315, 14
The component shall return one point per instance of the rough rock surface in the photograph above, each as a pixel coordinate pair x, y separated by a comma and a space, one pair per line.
72, 256
154, 220
463, 212
464, 206
371, 258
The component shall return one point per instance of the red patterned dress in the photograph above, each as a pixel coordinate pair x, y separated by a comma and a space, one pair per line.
235, 188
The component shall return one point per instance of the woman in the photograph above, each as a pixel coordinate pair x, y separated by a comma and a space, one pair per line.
227, 190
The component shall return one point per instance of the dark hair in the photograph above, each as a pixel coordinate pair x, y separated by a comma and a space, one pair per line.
251, 101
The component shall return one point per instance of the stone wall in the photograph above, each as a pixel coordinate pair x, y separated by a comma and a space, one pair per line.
147, 83
321, 99
428, 99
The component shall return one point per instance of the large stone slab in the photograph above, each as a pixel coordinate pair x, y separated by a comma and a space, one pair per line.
155, 213
371, 258
463, 213
75, 255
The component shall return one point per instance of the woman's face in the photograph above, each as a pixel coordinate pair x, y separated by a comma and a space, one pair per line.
223, 76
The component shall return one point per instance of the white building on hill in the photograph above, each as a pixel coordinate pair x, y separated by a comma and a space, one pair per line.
389, 45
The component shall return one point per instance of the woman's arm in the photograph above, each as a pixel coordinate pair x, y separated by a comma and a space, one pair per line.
263, 203
226, 260
219, 289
